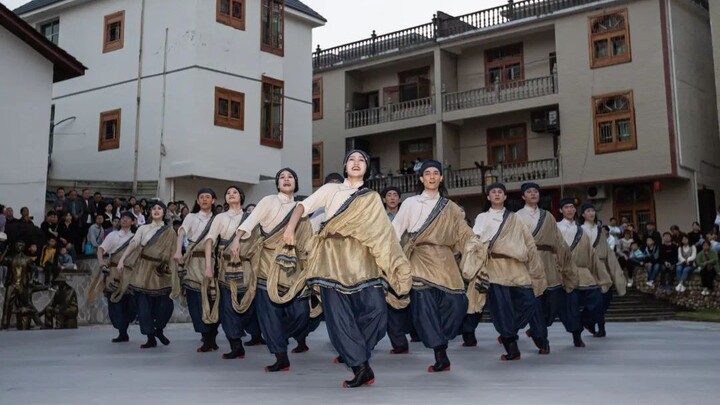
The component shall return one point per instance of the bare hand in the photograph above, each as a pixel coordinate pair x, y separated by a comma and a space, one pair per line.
235, 249
208, 272
120, 266
289, 238
178, 257
101, 263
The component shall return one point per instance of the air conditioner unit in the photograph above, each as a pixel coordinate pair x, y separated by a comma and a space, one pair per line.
596, 193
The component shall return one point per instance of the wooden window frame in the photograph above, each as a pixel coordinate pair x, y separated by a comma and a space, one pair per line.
317, 182
270, 48
317, 115
264, 140
492, 142
42, 25
608, 36
229, 19
106, 116
615, 146
109, 46
226, 120
503, 62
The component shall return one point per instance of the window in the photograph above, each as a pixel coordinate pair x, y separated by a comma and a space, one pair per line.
109, 136
51, 30
229, 109
414, 84
271, 125
317, 98
272, 21
504, 64
232, 13
614, 122
609, 39
317, 164
114, 35
507, 144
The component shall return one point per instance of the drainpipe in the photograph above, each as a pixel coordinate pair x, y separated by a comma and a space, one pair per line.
137, 100
162, 118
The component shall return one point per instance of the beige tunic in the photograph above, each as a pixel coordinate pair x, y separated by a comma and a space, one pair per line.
609, 272
110, 280
194, 259
151, 261
583, 253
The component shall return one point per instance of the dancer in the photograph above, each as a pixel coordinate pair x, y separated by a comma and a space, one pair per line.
236, 311
503, 259
355, 255
587, 295
152, 280
120, 301
560, 273
196, 226
609, 270
277, 322
433, 229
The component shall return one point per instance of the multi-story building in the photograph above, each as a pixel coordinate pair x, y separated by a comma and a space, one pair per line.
180, 94
611, 101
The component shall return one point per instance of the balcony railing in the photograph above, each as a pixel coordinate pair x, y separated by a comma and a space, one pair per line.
429, 33
462, 178
500, 93
391, 112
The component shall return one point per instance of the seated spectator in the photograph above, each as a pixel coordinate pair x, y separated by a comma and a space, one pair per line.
611, 240
117, 207
717, 217
695, 236
635, 236
48, 259
49, 226
95, 235
172, 213
652, 261
219, 209
108, 216
615, 230
668, 261
651, 232
707, 262
686, 262
144, 205
176, 224
32, 252
2, 218
623, 248
138, 214
130, 204
676, 234
67, 233
714, 244
64, 260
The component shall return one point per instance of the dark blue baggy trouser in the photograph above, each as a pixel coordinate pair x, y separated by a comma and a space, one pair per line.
355, 322
233, 323
470, 323
194, 303
278, 323
437, 315
121, 313
154, 311
511, 309
252, 327
549, 308
606, 301
582, 307
399, 323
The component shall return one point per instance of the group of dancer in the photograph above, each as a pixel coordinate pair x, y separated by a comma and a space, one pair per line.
367, 268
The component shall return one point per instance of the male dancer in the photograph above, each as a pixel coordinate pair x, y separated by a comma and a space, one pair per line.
556, 260
513, 270
196, 226
587, 295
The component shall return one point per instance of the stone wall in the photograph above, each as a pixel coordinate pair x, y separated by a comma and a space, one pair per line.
689, 299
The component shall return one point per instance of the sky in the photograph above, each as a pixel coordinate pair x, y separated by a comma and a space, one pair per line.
352, 20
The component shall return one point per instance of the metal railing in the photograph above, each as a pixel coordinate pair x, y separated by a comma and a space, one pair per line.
500, 93
391, 112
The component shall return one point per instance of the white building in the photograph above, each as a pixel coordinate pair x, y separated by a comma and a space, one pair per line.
181, 94
28, 67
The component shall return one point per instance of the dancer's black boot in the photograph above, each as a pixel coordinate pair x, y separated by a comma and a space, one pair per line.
151, 342
511, 347
237, 351
282, 363
469, 339
363, 375
442, 363
543, 345
122, 337
301, 347
206, 345
255, 341
161, 337
577, 339
601, 331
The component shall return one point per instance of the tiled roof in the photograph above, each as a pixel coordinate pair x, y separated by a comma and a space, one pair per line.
294, 4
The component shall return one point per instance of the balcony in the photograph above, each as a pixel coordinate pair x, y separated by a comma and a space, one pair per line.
500, 93
472, 177
391, 112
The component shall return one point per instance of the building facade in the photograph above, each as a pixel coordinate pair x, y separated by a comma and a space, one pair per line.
609, 101
181, 94
29, 66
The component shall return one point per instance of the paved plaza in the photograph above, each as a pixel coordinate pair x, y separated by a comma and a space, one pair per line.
638, 363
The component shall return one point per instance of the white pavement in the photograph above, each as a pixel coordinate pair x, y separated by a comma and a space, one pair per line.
638, 363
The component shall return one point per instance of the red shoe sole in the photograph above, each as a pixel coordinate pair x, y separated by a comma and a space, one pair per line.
528, 333
430, 369
543, 352
337, 361
504, 358
232, 358
200, 350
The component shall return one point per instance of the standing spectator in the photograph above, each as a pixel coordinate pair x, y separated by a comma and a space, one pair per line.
651, 232
2, 218
668, 261
652, 261
89, 211
9, 216
676, 234
695, 236
138, 214
98, 202
95, 235
623, 250
635, 236
687, 254
624, 222
61, 203
707, 261
49, 226
615, 230
219, 209
67, 232
131, 203
185, 211
107, 212
172, 214
75, 208
25, 215
717, 217
611, 240
117, 208
144, 206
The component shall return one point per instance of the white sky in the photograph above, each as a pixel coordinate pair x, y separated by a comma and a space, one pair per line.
352, 20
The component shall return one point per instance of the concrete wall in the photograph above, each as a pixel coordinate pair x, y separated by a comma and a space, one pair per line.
386, 76
387, 147
715, 41
25, 90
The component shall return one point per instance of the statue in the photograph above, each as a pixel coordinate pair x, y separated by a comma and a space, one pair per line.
62, 311
18, 292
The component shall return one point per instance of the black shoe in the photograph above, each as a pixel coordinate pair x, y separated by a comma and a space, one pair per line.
577, 339
400, 350
442, 363
301, 347
601, 331
363, 376
339, 360
255, 341
213, 340
590, 328
511, 347
469, 339
122, 337
161, 337
282, 363
151, 342
207, 344
543, 345
237, 351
